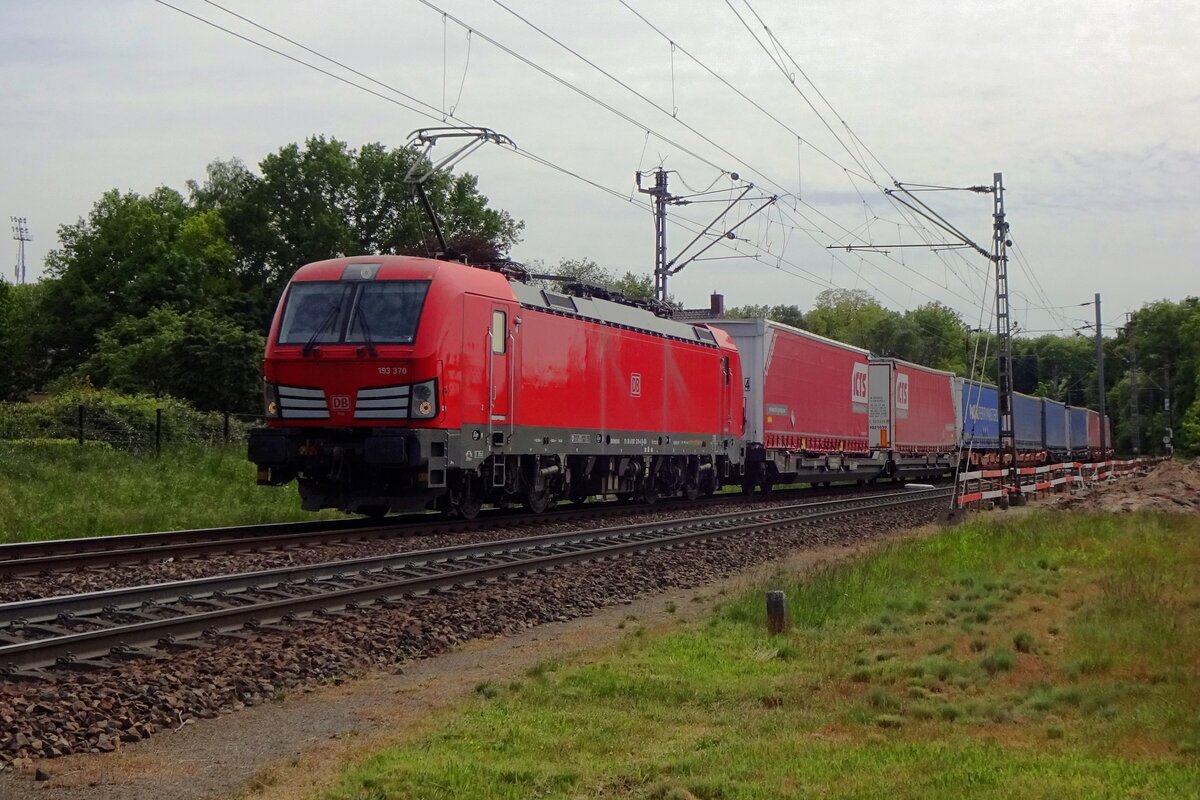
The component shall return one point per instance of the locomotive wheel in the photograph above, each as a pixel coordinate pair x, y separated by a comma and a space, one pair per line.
537, 502
465, 499
468, 508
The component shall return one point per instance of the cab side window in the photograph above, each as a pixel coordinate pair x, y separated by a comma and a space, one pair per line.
499, 332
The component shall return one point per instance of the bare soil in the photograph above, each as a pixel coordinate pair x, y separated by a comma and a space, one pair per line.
299, 745
1170, 487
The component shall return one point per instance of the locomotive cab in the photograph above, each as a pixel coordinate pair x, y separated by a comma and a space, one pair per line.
348, 392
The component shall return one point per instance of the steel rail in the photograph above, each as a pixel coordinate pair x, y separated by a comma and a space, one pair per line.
31, 558
92, 603
65, 646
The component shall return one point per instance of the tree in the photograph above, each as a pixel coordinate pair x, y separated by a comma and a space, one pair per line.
587, 271
1189, 429
640, 286
24, 362
327, 200
197, 356
788, 315
133, 253
134, 355
938, 337
1167, 338
847, 315
216, 365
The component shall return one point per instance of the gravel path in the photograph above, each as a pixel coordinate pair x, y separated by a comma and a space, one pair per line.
108, 711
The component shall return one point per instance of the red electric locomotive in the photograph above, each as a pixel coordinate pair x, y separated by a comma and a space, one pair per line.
398, 383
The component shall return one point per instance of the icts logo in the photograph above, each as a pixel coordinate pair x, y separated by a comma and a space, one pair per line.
901, 391
858, 384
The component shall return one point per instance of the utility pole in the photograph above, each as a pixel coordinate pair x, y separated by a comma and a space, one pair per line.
661, 198
1000, 243
1100, 379
20, 229
1135, 423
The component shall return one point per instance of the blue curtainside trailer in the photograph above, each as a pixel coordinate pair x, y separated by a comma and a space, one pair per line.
980, 415
1027, 422
1055, 429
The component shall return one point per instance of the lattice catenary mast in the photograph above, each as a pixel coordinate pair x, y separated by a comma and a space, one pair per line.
1000, 244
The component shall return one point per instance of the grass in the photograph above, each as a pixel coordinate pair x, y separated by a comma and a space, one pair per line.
868, 695
52, 491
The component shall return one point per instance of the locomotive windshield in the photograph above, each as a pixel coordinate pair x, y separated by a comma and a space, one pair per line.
335, 312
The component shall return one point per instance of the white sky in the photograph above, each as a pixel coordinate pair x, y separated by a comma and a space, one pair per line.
1090, 108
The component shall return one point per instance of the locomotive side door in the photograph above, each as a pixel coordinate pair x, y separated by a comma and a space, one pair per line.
498, 360
724, 390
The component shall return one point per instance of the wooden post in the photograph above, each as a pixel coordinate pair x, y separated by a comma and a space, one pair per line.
777, 615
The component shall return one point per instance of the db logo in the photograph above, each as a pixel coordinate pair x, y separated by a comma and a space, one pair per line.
340, 402
635, 384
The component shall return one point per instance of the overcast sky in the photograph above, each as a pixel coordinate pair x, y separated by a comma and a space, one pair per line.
1089, 108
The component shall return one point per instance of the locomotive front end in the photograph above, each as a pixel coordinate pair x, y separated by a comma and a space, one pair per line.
352, 386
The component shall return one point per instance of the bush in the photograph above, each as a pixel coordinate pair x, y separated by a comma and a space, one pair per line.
122, 421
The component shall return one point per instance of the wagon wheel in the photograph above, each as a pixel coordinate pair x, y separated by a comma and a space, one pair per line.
538, 501
691, 491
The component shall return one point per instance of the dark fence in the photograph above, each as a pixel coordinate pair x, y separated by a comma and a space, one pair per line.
127, 427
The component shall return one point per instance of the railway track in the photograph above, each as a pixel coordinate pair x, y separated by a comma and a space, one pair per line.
97, 630
60, 555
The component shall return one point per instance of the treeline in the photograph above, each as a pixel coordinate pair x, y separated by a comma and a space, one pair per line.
169, 294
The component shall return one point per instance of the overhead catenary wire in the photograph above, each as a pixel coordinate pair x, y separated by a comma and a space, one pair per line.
435, 113
850, 173
645, 99
781, 264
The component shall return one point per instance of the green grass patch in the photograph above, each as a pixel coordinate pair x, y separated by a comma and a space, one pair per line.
845, 706
52, 490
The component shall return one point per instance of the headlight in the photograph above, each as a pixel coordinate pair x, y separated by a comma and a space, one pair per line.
424, 401
270, 401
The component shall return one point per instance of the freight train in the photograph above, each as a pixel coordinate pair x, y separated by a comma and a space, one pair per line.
399, 383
